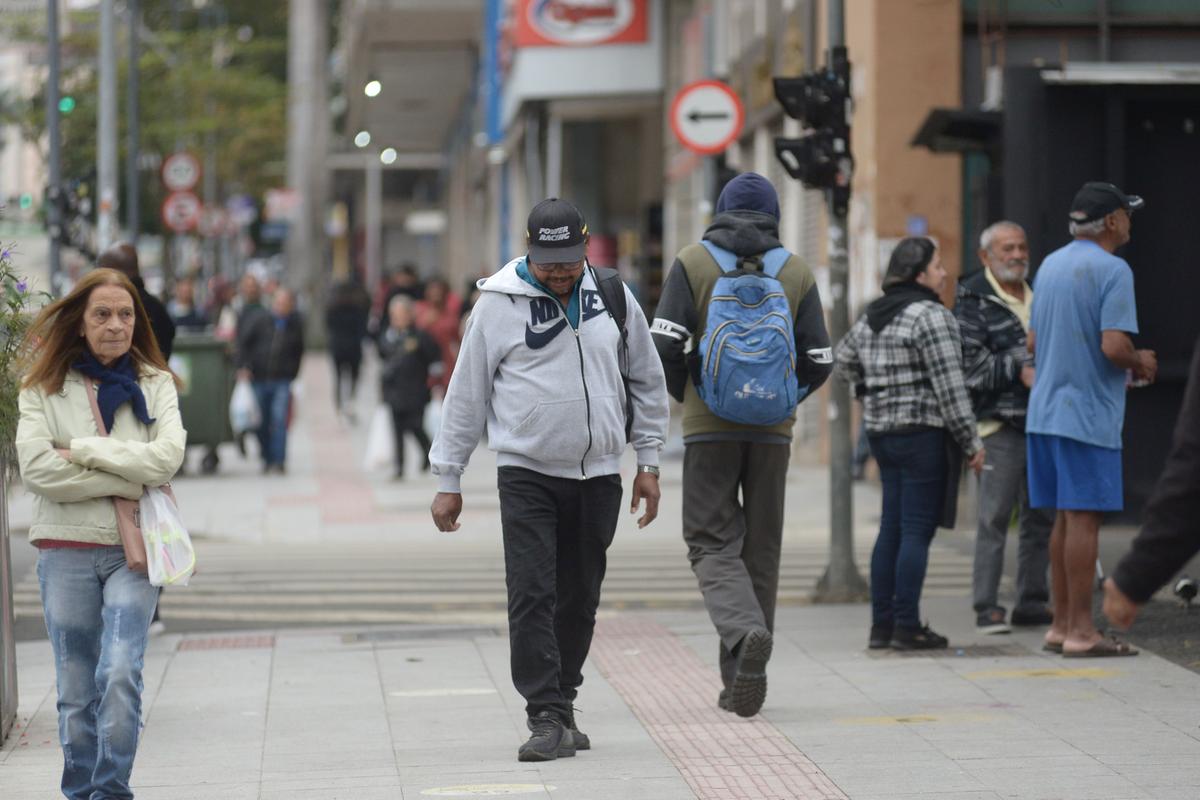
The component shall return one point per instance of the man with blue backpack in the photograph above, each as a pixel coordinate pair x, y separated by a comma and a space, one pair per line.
741, 334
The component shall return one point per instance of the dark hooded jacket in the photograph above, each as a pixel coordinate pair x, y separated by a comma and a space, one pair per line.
683, 311
994, 352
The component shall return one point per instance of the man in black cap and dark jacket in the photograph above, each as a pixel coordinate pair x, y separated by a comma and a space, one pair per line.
123, 258
1170, 535
734, 546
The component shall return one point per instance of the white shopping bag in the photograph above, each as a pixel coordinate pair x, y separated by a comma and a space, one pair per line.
244, 413
170, 558
381, 441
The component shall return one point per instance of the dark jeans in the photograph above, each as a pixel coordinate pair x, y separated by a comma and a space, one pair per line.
556, 535
733, 496
405, 421
274, 400
345, 380
1002, 487
913, 467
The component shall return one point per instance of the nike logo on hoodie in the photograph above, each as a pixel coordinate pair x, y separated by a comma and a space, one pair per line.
536, 340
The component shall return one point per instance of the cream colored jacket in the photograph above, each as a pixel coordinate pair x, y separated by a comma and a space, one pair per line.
73, 498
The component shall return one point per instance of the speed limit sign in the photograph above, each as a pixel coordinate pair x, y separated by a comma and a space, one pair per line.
180, 172
181, 211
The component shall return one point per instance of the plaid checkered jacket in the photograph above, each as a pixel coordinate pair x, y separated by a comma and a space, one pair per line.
910, 373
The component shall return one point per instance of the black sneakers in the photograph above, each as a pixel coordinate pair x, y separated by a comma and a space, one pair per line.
723, 701
1033, 616
923, 638
881, 637
582, 742
749, 689
550, 740
991, 621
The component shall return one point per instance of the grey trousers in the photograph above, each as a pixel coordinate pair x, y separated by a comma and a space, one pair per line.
1002, 486
733, 495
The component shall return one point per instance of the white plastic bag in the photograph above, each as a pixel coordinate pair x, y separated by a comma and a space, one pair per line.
381, 441
244, 413
170, 558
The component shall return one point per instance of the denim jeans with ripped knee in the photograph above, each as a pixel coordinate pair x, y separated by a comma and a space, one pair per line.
98, 613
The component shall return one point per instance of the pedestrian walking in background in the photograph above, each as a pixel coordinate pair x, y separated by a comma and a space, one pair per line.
439, 313
735, 474
346, 318
270, 347
183, 310
993, 310
123, 258
541, 369
1084, 313
96, 340
904, 360
1170, 534
402, 280
408, 356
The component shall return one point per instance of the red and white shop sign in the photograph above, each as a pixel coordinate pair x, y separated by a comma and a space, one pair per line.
567, 23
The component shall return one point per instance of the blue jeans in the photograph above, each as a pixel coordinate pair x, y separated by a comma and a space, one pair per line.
97, 616
274, 399
912, 466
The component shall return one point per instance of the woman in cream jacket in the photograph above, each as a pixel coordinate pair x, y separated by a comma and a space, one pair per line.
97, 339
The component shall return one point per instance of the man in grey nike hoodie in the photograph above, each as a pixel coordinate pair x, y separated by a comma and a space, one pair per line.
539, 369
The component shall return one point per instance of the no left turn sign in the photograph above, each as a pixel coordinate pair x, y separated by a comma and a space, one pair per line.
707, 116
181, 211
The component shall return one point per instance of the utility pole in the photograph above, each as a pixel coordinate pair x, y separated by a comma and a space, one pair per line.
308, 149
106, 130
132, 209
841, 581
822, 159
54, 193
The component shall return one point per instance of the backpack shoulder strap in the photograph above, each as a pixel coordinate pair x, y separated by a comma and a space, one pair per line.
774, 260
612, 291
726, 260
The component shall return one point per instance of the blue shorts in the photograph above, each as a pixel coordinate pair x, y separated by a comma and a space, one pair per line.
1070, 475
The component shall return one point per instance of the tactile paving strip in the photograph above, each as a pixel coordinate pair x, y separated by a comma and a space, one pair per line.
674, 695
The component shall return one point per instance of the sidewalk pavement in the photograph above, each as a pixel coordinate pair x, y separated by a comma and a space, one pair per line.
413, 712
359, 713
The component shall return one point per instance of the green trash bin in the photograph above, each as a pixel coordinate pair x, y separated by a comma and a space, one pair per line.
203, 364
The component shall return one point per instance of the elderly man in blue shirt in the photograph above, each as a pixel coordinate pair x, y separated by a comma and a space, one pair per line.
1084, 313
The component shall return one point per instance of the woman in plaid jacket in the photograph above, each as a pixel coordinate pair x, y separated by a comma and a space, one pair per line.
904, 359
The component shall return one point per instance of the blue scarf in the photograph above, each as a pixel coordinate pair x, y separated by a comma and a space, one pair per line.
118, 385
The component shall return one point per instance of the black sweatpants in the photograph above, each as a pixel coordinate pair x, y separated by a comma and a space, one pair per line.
556, 534
404, 421
733, 495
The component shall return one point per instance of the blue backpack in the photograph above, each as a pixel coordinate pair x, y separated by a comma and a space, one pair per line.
747, 355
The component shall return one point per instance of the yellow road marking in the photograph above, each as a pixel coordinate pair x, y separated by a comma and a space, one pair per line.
1095, 673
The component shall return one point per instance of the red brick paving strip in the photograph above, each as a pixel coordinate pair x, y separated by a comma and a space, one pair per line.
228, 643
674, 695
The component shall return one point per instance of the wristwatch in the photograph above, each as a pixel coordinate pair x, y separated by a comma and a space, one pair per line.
647, 468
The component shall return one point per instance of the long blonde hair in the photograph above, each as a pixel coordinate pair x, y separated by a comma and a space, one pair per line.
52, 343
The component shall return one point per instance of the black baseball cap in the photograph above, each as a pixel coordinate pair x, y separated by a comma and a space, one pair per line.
556, 233
1096, 200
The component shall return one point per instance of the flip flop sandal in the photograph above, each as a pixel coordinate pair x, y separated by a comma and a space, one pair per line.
1053, 647
1105, 648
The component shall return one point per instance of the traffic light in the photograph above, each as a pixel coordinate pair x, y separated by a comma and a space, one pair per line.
821, 158
25, 202
66, 104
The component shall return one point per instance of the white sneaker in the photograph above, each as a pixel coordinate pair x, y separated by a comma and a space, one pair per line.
157, 628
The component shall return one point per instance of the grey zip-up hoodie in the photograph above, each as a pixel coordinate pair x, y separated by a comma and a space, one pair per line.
551, 396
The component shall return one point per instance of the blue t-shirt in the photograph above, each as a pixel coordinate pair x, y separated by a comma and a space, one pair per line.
1081, 290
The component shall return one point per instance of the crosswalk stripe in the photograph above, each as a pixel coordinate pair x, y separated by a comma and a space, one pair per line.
259, 585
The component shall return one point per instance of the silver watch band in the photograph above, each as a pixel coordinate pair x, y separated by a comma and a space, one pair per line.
647, 468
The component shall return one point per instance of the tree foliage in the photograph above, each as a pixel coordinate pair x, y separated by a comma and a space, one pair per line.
212, 75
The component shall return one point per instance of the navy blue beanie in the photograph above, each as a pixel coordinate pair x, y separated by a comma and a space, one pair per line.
749, 192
